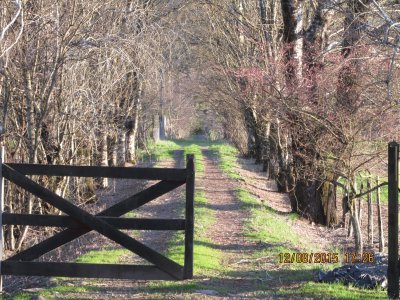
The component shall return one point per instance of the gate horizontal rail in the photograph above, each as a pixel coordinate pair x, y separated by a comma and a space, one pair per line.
170, 174
79, 222
120, 223
139, 272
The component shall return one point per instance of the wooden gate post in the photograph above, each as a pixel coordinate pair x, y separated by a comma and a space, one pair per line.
189, 228
1, 213
393, 207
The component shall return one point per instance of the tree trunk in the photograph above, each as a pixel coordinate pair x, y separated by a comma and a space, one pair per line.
356, 229
267, 149
113, 142
161, 112
284, 178
121, 148
265, 25
328, 198
348, 91
156, 128
380, 225
298, 47
370, 218
316, 201
290, 30
314, 194
133, 129
104, 157
162, 126
254, 139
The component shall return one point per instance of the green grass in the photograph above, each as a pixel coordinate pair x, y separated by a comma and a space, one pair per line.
227, 159
165, 150
109, 256
195, 149
276, 231
158, 151
131, 214
332, 291
200, 143
50, 292
265, 225
207, 259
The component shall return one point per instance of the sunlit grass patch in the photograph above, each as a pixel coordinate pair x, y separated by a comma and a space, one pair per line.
332, 291
227, 155
276, 235
158, 151
198, 157
111, 256
275, 231
206, 257
50, 293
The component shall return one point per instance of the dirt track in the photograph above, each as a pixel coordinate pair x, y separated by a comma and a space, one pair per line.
248, 277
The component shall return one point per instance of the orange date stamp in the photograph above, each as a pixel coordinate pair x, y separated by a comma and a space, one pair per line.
325, 258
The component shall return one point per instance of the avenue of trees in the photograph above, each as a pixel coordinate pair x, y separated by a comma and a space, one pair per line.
309, 88
86, 83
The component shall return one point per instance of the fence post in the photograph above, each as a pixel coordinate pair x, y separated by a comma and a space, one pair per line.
380, 225
1, 214
189, 216
370, 216
393, 207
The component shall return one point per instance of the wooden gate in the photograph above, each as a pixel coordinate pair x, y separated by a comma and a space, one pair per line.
393, 211
79, 222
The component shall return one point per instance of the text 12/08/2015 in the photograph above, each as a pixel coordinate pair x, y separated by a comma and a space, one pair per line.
326, 257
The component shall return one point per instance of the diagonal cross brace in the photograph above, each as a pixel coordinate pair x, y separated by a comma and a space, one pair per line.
116, 210
94, 223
